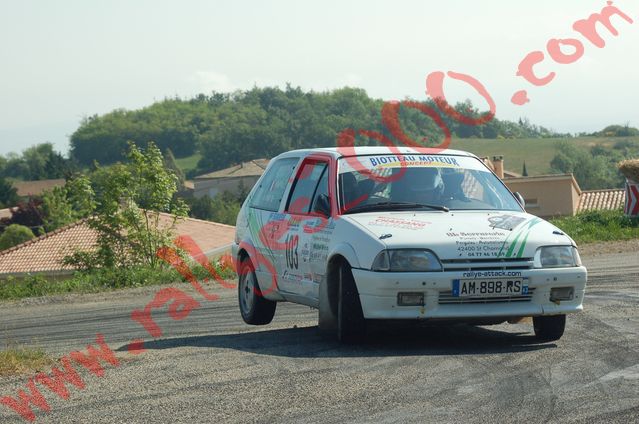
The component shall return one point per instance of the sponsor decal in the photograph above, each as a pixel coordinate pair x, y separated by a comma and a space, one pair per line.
485, 274
476, 244
403, 223
505, 222
382, 161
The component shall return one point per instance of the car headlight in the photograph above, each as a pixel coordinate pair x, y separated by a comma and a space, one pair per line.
557, 257
406, 260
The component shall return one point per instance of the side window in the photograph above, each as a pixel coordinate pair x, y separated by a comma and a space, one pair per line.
304, 187
268, 195
322, 188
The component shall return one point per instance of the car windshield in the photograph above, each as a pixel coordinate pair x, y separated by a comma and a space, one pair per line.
428, 182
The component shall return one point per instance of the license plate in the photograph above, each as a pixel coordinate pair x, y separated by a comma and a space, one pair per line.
492, 287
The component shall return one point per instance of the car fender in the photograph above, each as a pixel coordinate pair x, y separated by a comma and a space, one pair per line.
346, 250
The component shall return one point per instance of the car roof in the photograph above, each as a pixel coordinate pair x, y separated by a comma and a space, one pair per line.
372, 150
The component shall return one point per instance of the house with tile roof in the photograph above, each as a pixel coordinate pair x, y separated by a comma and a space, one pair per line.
560, 195
231, 179
547, 195
554, 195
44, 254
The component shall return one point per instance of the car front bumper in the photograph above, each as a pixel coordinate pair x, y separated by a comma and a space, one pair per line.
378, 292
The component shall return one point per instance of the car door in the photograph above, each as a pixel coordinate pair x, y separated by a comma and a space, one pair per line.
265, 221
308, 208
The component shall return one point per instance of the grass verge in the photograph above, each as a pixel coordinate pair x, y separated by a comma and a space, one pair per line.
23, 360
99, 280
596, 226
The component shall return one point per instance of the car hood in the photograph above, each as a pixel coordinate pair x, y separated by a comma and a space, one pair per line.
463, 234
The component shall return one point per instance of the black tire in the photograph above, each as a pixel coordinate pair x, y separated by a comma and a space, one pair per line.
254, 307
351, 325
549, 328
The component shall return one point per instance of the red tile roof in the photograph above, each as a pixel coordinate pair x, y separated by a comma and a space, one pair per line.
44, 254
601, 199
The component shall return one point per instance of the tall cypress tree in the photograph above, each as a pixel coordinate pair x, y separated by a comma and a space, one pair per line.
170, 163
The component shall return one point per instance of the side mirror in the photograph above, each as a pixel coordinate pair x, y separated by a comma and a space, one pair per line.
520, 199
322, 206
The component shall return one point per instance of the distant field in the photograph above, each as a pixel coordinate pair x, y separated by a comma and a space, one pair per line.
537, 152
189, 162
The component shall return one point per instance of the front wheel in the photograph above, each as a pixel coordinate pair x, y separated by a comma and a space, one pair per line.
351, 324
549, 328
255, 308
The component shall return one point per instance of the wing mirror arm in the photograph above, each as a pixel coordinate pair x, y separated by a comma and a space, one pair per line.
520, 199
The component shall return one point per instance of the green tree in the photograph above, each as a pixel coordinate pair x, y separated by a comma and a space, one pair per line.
15, 166
222, 208
129, 199
15, 234
8, 194
65, 205
593, 169
37, 162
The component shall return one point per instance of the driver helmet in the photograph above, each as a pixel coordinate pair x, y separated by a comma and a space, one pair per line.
423, 184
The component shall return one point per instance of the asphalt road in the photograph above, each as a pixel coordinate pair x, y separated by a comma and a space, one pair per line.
211, 367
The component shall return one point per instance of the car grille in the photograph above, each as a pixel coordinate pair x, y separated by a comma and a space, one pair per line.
487, 264
447, 298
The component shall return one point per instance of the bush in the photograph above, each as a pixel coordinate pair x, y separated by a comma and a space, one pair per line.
599, 225
15, 234
27, 213
28, 286
618, 131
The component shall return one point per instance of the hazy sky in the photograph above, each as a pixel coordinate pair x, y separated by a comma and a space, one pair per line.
63, 60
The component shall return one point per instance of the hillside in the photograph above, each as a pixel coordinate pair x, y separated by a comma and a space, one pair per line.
231, 128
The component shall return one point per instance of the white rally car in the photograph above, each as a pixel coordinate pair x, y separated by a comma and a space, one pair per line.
399, 233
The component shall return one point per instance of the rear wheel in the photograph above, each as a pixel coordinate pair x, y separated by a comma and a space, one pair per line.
351, 325
549, 328
255, 308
